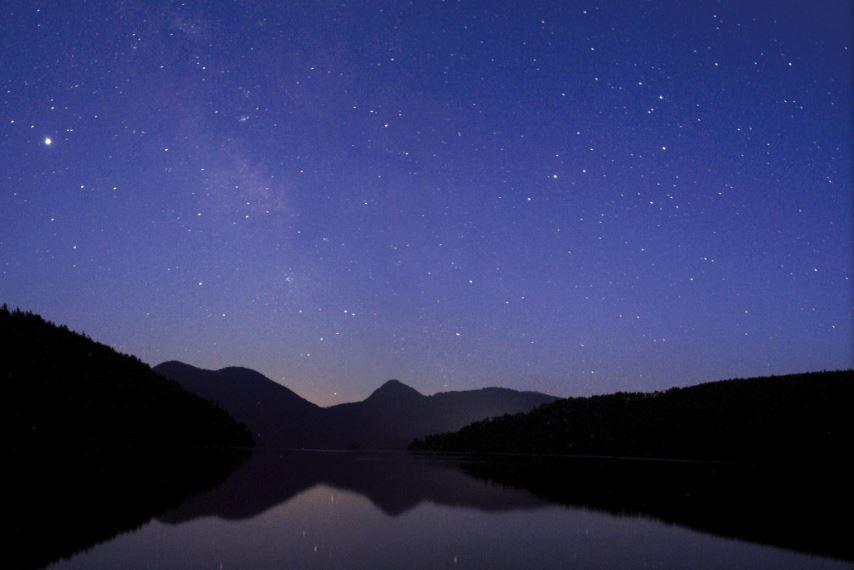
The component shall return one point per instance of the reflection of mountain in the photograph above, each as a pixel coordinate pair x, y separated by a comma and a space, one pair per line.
390, 418
61, 502
394, 482
797, 511
798, 507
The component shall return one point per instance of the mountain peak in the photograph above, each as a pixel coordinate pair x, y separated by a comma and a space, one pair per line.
172, 364
395, 390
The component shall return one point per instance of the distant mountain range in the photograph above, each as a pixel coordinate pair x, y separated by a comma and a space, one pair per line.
390, 418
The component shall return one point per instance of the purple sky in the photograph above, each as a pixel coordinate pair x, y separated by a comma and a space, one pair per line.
568, 197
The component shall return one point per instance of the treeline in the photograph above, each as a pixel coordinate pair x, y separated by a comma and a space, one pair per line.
63, 389
754, 420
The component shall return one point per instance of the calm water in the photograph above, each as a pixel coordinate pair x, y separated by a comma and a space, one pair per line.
355, 510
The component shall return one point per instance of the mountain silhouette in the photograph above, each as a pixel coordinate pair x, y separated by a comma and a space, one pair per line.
392, 416
394, 391
275, 415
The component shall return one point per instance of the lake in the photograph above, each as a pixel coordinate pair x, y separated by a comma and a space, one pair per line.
392, 510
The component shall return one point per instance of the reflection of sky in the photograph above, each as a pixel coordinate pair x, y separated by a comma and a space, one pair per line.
572, 199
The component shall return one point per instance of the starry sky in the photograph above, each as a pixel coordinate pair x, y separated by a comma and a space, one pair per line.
572, 197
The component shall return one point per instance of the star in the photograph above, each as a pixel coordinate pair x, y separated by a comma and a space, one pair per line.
48, 141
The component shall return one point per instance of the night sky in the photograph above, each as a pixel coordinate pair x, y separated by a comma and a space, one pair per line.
568, 197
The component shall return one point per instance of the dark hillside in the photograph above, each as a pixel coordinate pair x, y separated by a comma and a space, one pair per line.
61, 388
750, 420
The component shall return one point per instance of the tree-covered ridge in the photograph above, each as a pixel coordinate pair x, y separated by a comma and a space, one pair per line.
754, 420
61, 388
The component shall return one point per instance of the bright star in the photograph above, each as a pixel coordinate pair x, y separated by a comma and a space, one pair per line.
48, 141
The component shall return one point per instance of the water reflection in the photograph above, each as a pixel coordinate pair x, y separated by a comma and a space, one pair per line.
358, 510
60, 502
796, 505
394, 482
